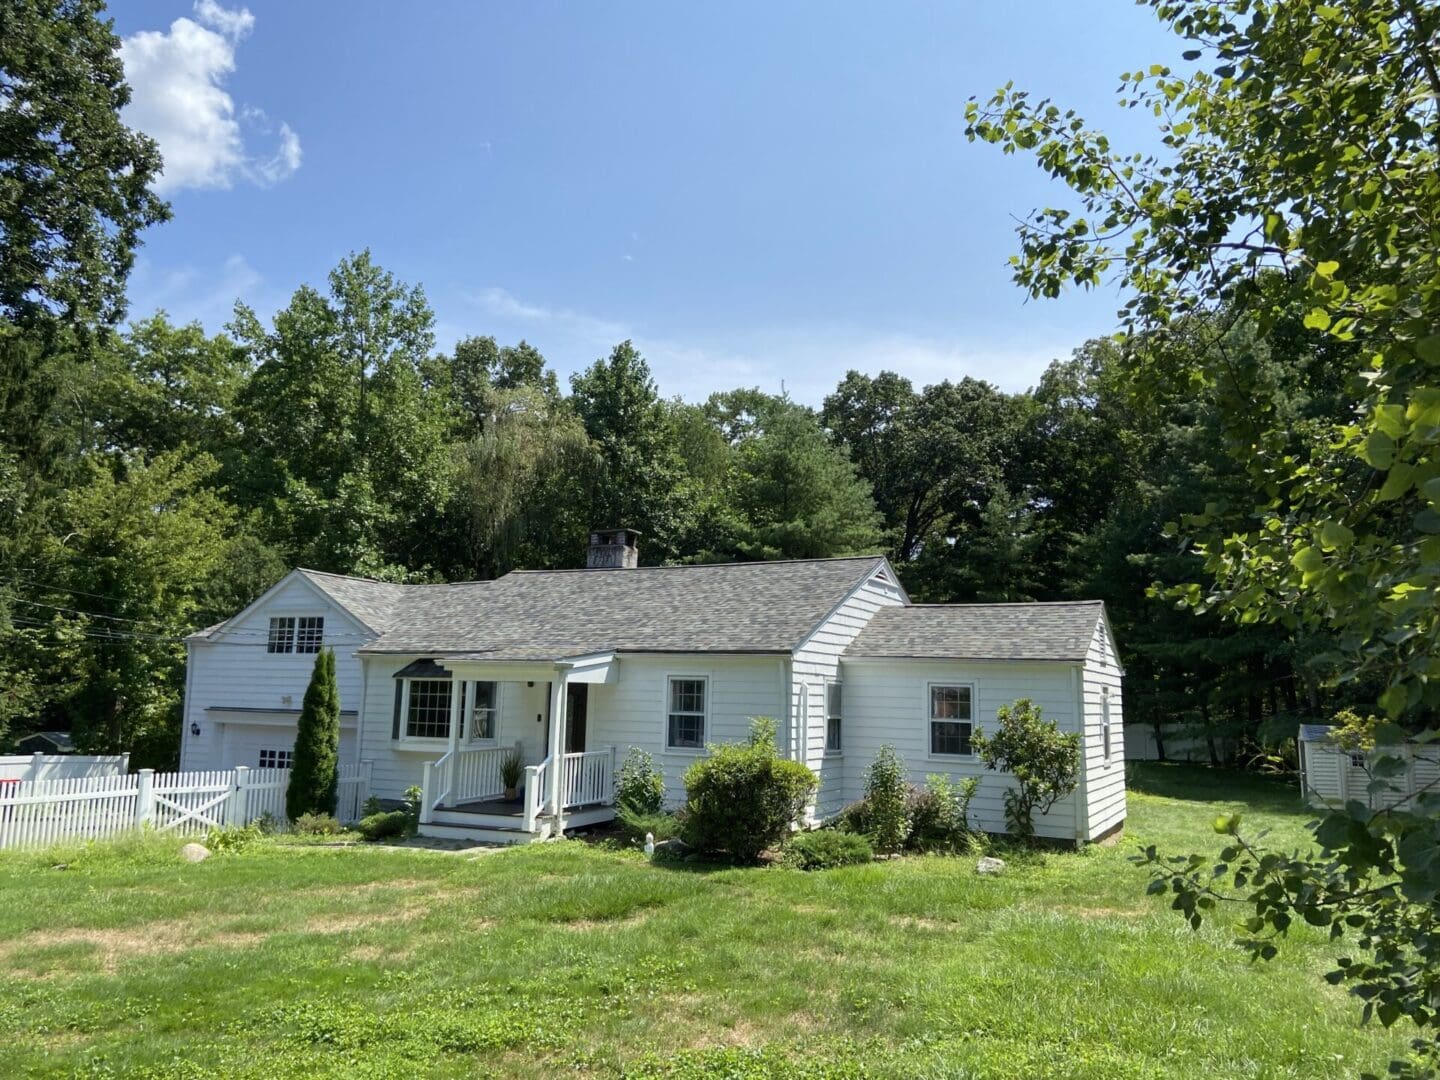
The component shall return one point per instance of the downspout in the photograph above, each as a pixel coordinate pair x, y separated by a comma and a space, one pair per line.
360, 713
1082, 810
787, 682
185, 719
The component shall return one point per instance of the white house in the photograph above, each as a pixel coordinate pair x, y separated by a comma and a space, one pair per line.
570, 668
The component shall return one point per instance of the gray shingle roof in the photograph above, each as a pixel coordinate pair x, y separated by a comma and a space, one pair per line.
546, 615
375, 603
1060, 631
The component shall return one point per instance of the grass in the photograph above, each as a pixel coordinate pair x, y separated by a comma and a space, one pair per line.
289, 960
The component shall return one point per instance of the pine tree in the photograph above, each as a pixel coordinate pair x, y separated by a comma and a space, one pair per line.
315, 771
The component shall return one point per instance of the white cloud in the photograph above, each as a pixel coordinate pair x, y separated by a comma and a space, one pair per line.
179, 99
808, 360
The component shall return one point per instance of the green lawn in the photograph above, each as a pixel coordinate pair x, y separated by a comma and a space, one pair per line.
568, 958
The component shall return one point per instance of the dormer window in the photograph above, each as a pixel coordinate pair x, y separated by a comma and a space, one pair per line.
296, 634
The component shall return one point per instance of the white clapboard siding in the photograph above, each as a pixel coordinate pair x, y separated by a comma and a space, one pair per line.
234, 671
816, 663
1103, 783
38, 813
1331, 776
632, 710
887, 702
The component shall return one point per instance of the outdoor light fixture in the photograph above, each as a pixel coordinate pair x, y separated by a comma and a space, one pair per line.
194, 728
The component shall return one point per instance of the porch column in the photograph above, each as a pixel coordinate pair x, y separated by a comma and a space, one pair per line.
457, 712
557, 743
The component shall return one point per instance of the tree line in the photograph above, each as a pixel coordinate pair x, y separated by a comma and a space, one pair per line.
154, 477
175, 474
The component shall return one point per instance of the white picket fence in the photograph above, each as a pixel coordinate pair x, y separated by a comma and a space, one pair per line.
37, 813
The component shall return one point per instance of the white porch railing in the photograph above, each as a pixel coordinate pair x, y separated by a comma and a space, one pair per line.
589, 778
465, 774
477, 772
537, 780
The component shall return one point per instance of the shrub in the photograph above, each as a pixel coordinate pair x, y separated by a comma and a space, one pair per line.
940, 814
372, 805
885, 797
641, 785
856, 818
743, 798
233, 839
315, 772
385, 825
317, 825
635, 823
826, 848
1044, 762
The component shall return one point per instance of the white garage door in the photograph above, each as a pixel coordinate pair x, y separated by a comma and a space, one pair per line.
269, 746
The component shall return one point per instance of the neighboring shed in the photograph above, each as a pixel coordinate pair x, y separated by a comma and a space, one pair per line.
46, 742
1330, 775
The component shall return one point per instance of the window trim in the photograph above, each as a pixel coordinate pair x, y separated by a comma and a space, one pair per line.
291, 635
683, 676
930, 721
497, 710
838, 750
407, 739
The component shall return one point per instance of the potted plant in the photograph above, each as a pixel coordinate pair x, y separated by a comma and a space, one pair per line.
511, 768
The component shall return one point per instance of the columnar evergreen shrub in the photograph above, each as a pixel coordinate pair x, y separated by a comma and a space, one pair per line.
315, 771
641, 785
744, 798
1044, 762
886, 800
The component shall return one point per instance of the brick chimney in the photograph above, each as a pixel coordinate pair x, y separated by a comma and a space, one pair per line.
613, 549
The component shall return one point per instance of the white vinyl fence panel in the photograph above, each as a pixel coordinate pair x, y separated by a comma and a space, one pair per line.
62, 766
38, 813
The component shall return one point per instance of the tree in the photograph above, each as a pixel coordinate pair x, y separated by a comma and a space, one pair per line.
347, 460
1043, 760
797, 495
315, 768
1299, 182
74, 180
114, 586
640, 482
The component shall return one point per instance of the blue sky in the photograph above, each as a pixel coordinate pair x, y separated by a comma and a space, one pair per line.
752, 192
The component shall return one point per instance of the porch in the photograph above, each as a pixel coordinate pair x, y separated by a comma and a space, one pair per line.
499, 792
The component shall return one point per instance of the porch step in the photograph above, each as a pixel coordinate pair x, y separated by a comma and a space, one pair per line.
511, 822
478, 833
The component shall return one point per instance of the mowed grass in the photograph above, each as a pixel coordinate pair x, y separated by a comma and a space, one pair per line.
568, 958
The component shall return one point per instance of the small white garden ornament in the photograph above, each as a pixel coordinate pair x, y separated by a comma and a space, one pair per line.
649, 843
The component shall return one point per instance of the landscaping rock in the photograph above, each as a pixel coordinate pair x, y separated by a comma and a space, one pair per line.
990, 865
194, 853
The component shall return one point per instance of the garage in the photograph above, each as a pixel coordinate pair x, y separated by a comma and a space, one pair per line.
266, 738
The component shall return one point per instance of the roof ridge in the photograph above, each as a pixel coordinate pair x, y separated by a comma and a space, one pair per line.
1009, 603
706, 565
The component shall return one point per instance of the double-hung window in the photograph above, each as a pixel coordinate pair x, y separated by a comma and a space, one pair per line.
952, 714
834, 741
685, 716
296, 634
